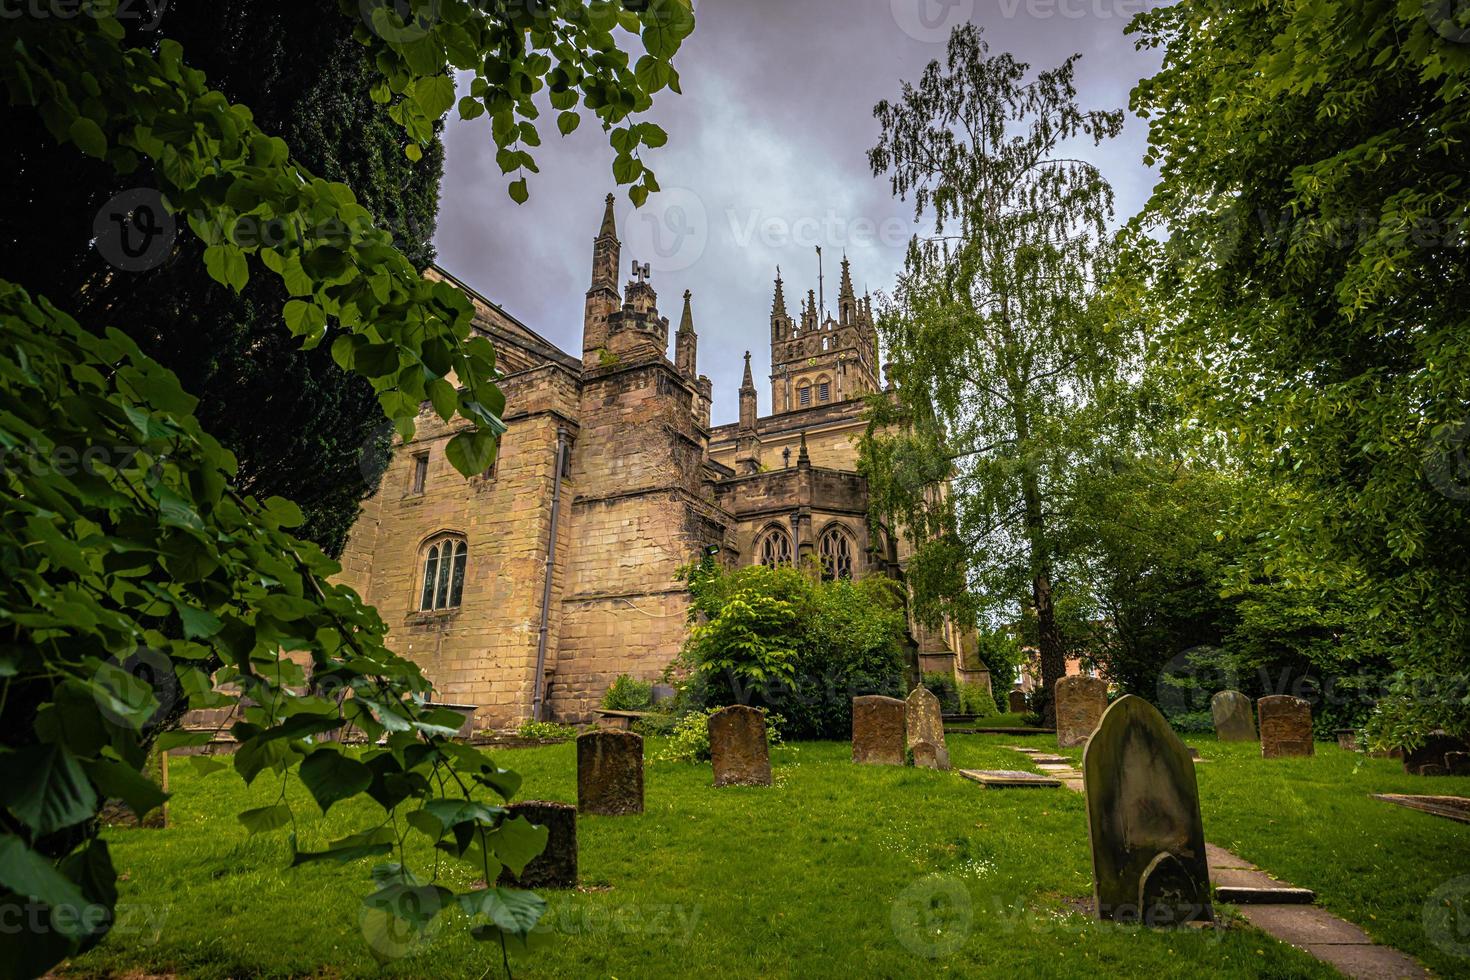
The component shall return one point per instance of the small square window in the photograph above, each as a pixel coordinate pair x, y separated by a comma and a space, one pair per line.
420, 473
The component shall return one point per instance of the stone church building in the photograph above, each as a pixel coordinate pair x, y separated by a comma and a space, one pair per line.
526, 590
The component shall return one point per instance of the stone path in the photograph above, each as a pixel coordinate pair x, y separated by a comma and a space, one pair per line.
1336, 942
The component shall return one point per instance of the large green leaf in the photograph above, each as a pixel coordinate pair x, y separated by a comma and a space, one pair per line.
45, 787
330, 776
27, 873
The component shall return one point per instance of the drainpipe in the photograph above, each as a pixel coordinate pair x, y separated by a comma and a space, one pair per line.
540, 679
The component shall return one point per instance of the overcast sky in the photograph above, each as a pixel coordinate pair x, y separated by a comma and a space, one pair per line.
766, 159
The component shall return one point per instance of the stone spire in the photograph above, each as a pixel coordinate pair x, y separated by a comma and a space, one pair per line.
778, 304
803, 459
809, 314
747, 398
780, 319
606, 252
846, 297
686, 342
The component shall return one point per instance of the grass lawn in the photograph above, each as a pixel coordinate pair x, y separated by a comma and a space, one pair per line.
831, 872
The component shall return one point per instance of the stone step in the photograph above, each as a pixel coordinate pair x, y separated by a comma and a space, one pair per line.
1236, 895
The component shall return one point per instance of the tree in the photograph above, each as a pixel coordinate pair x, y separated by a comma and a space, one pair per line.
301, 427
1314, 202
124, 537
993, 333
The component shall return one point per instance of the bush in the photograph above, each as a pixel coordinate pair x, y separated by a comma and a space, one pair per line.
778, 639
689, 737
546, 730
1001, 654
627, 694
943, 687
977, 700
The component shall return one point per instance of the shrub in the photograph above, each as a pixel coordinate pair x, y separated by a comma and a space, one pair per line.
943, 687
977, 700
780, 640
1001, 654
546, 730
627, 694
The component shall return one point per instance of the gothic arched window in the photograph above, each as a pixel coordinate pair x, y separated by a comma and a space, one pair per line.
804, 394
443, 575
835, 549
824, 389
775, 548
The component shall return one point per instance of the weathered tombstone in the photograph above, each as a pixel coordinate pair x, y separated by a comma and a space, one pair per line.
1286, 726
1457, 763
1429, 758
926, 756
1347, 739
1143, 820
1234, 717
925, 723
738, 747
877, 730
556, 866
610, 773
1016, 702
1080, 703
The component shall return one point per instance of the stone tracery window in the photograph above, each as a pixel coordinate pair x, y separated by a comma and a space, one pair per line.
775, 548
835, 549
443, 573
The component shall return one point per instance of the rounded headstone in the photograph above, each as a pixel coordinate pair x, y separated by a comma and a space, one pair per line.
610, 773
1143, 801
877, 730
738, 747
1234, 717
556, 865
1016, 702
1429, 758
924, 723
1286, 726
1080, 702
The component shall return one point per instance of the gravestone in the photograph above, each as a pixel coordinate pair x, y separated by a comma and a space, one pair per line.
1143, 820
610, 773
738, 747
1457, 763
926, 756
924, 723
1016, 702
1286, 726
556, 866
1234, 717
877, 730
1429, 758
1080, 704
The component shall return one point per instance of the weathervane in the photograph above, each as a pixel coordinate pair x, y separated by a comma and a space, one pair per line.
641, 272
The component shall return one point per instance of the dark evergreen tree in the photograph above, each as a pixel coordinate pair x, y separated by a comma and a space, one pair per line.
301, 427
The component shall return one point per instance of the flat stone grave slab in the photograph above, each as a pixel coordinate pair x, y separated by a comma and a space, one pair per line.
1026, 749
1451, 807
1265, 896
1009, 779
1050, 758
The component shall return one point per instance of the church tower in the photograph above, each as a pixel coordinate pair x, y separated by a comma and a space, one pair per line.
823, 360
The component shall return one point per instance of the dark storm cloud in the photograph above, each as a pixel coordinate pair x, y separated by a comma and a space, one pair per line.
766, 160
